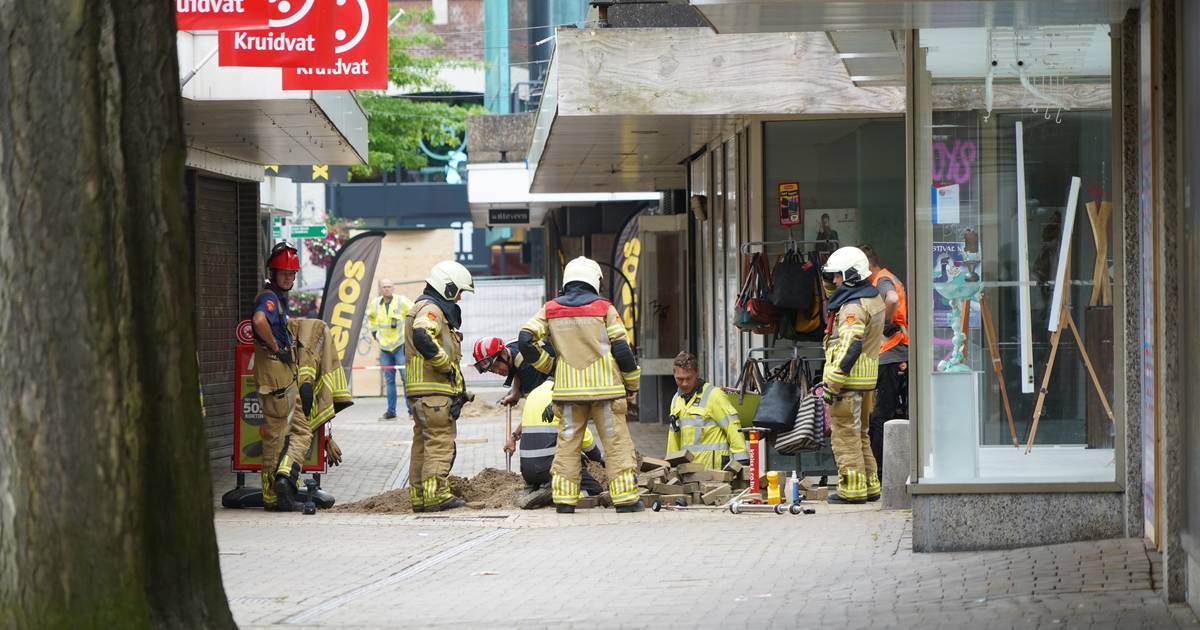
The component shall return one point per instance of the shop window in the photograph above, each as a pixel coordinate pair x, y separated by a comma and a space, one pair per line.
1009, 116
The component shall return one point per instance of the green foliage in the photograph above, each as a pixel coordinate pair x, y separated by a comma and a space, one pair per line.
396, 126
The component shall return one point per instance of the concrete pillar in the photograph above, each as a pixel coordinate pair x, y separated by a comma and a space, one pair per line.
896, 454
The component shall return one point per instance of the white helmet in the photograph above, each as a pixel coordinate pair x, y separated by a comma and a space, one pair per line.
851, 262
583, 269
450, 279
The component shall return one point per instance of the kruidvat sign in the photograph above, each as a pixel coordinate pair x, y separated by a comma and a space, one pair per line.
298, 33
212, 15
360, 55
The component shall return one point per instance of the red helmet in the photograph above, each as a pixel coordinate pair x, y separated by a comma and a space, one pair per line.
487, 350
284, 257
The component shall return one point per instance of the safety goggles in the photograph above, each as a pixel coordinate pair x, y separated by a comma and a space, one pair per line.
485, 364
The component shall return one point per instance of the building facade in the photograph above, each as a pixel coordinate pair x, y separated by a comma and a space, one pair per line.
1024, 167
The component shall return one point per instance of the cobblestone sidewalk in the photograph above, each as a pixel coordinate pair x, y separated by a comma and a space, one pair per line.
845, 567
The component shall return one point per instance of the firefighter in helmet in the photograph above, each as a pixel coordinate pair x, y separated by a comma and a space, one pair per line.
856, 319
594, 374
434, 384
284, 445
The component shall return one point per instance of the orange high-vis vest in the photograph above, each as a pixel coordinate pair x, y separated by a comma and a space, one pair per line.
901, 315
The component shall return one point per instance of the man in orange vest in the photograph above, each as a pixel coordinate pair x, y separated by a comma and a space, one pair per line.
893, 352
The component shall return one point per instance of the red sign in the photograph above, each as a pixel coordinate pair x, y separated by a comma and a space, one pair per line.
299, 33
361, 55
212, 15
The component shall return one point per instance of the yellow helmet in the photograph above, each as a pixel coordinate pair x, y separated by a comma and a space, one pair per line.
584, 270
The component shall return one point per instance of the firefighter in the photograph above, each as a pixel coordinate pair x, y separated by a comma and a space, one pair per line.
284, 445
538, 435
595, 375
893, 351
386, 321
434, 384
852, 340
492, 355
703, 421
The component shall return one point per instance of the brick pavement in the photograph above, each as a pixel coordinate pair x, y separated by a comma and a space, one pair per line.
846, 566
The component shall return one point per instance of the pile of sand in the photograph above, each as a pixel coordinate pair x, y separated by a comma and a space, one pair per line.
490, 489
480, 408
597, 472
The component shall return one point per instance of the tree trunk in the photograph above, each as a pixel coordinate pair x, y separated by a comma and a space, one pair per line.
105, 497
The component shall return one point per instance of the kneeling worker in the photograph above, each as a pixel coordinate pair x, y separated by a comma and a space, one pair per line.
538, 435
703, 421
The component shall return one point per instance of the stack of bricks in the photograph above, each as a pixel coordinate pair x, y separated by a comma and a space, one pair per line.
678, 479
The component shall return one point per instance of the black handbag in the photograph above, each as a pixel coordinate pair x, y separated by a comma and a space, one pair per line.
777, 409
792, 282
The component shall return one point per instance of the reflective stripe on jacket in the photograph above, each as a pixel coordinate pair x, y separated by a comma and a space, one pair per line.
858, 327
387, 321
438, 375
900, 317
708, 427
582, 337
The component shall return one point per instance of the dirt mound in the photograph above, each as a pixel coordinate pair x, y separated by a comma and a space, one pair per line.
490, 489
597, 471
480, 408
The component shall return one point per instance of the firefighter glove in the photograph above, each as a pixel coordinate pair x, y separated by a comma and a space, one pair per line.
890, 328
285, 355
333, 453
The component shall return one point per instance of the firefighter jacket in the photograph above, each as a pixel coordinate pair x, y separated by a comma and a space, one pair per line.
852, 343
387, 321
322, 383
433, 350
900, 318
706, 423
539, 433
594, 361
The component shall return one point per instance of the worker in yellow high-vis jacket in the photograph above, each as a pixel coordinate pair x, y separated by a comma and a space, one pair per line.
856, 316
385, 319
594, 376
703, 420
434, 384
538, 436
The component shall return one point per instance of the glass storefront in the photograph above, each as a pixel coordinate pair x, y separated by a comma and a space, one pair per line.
1015, 238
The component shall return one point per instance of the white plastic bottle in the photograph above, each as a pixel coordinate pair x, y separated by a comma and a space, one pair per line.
794, 488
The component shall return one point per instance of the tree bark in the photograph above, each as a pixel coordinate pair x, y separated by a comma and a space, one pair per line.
105, 497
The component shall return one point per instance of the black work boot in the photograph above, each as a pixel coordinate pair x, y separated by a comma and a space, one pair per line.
447, 505
563, 508
636, 506
285, 494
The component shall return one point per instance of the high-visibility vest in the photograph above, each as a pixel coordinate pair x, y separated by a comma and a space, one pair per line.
582, 337
901, 314
708, 426
439, 375
387, 321
539, 431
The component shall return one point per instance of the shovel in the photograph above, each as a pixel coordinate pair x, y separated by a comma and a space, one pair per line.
507, 432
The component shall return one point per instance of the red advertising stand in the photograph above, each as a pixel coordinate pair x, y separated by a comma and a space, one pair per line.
247, 440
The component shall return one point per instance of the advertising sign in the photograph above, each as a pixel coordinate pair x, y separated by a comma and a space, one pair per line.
347, 291
299, 33
248, 415
215, 15
360, 60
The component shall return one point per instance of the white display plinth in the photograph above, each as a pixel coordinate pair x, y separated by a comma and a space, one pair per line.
955, 422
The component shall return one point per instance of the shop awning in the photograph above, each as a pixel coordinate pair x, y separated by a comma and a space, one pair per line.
777, 16
244, 115
505, 186
624, 108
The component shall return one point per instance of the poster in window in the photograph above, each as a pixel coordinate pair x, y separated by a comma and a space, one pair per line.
838, 226
789, 205
950, 266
